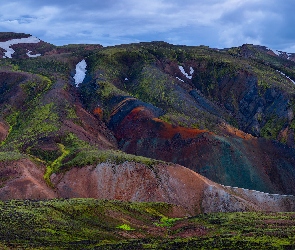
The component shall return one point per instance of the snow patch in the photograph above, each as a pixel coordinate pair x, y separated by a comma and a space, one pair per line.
179, 79
286, 76
9, 51
278, 53
281, 53
80, 72
30, 55
188, 76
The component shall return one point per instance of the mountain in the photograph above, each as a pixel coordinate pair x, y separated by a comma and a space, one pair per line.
197, 127
143, 144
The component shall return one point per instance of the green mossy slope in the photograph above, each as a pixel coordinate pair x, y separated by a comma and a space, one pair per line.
101, 224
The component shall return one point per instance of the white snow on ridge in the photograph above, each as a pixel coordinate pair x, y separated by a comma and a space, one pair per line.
179, 79
286, 76
281, 53
30, 55
189, 76
80, 72
277, 52
9, 51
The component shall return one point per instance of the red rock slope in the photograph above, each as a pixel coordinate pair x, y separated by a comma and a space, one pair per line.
136, 182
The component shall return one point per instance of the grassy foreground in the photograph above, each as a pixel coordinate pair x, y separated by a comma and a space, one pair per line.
101, 224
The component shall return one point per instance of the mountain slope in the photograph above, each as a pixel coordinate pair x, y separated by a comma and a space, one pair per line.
222, 114
222, 91
135, 181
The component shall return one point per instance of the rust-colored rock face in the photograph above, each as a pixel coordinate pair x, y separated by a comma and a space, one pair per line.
237, 158
165, 183
134, 182
98, 112
141, 123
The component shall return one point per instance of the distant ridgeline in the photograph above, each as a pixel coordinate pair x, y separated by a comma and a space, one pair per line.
22, 46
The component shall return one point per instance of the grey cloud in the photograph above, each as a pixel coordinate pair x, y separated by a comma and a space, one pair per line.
217, 23
266, 22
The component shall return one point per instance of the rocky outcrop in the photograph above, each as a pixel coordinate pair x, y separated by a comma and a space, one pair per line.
165, 183
132, 181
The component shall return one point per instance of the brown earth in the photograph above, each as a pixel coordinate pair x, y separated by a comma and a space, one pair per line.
23, 180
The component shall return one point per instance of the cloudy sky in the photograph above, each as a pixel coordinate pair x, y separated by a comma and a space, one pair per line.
216, 23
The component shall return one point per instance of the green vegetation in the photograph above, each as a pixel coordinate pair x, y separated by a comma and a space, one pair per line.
167, 222
42, 121
81, 154
125, 227
27, 127
102, 224
107, 90
45, 66
272, 128
94, 156
55, 165
79, 223
77, 153
11, 156
34, 119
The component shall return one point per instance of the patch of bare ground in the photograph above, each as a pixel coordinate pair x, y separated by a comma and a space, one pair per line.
25, 181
